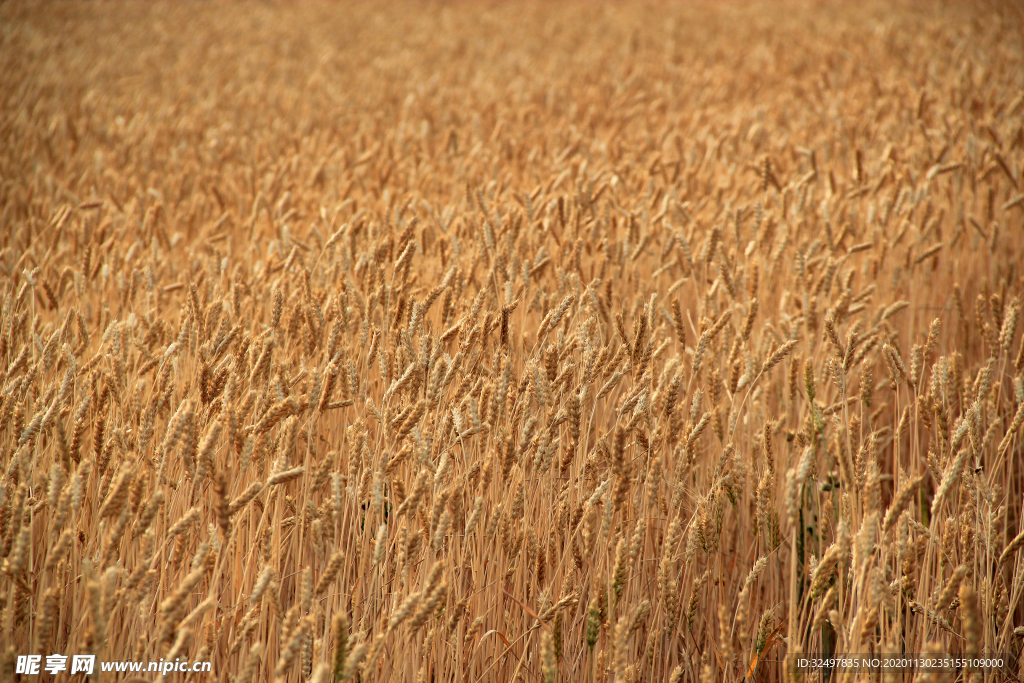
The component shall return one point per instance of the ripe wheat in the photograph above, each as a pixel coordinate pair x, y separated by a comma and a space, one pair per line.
511, 342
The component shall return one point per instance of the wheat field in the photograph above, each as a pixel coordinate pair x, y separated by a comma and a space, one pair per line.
532, 341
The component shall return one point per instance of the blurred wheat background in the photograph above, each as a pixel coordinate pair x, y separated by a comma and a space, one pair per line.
476, 341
